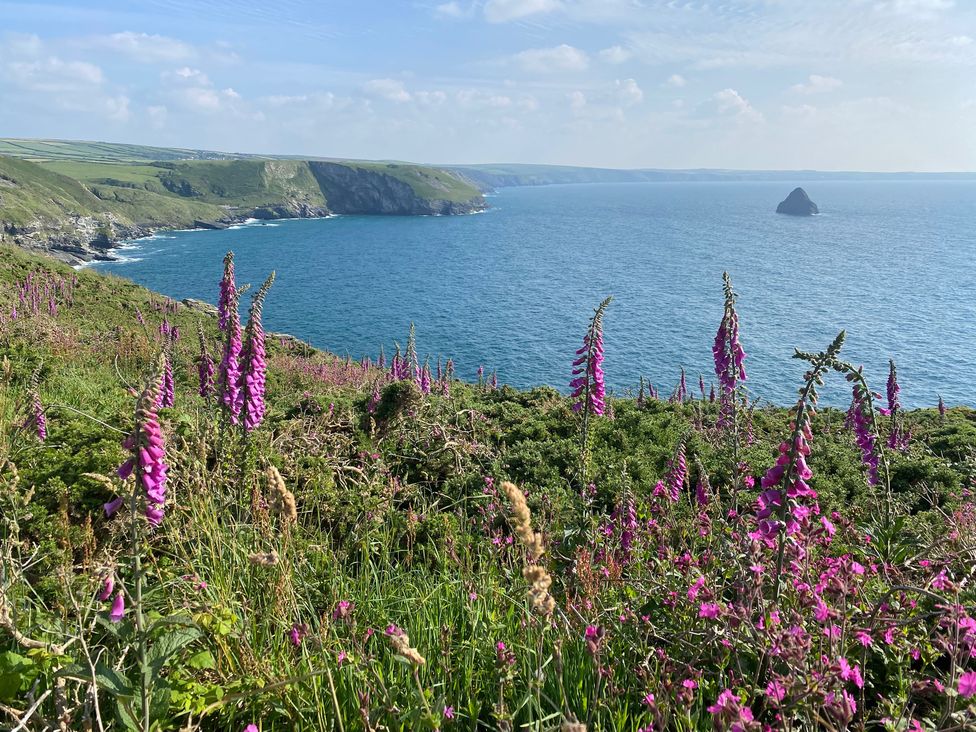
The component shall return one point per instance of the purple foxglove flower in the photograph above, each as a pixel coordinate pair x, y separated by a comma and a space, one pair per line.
374, 399
36, 418
167, 395
229, 371
425, 379
254, 371
381, 361
227, 298
205, 367
589, 391
728, 355
942, 407
118, 608
114, 505
863, 435
148, 460
108, 587
677, 473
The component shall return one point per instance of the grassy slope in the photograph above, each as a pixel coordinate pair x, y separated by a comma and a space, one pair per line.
392, 517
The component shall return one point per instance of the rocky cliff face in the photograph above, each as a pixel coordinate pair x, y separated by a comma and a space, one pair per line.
350, 190
74, 239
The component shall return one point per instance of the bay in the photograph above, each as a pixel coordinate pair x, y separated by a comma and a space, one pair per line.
892, 262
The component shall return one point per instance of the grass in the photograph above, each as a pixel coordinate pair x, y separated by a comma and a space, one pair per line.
399, 514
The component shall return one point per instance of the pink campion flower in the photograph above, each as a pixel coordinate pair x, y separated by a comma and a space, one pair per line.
118, 608
850, 673
253, 373
251, 728
448, 712
148, 450
588, 387
864, 638
708, 610
343, 610
967, 684
695, 588
775, 691
227, 299
297, 634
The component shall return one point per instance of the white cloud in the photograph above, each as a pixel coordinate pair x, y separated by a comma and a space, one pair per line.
144, 47
922, 8
548, 60
389, 89
502, 11
53, 74
577, 100
675, 81
450, 10
615, 54
732, 103
628, 92
817, 84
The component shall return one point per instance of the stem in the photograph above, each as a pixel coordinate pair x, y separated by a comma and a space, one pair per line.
137, 580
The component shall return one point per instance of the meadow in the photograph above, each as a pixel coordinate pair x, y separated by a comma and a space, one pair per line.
204, 526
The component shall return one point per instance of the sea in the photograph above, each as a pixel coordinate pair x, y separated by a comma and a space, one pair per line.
891, 262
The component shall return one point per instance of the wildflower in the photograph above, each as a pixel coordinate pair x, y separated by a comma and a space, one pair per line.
205, 366
297, 634
112, 506
227, 299
374, 399
588, 383
342, 610
775, 690
167, 395
730, 714
36, 418
251, 728
148, 459
448, 712
728, 355
108, 587
253, 365
593, 636
967, 684
861, 423
708, 610
229, 370
942, 407
850, 673
118, 608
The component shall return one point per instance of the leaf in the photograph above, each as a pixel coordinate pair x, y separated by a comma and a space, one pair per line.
167, 646
106, 678
126, 714
13, 672
159, 703
201, 660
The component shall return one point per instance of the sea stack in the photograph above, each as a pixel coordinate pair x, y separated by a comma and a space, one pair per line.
798, 203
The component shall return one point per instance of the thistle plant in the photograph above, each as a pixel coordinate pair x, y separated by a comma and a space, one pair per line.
589, 391
253, 373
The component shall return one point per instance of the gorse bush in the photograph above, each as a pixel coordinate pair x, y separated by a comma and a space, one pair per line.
239, 532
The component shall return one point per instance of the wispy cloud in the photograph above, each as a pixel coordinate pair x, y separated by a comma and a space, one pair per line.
559, 58
817, 84
503, 11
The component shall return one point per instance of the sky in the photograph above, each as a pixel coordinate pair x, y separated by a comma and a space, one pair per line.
884, 85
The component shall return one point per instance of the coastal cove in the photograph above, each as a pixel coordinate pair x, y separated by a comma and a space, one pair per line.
512, 289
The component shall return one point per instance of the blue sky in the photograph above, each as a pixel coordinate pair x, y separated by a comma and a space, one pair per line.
785, 84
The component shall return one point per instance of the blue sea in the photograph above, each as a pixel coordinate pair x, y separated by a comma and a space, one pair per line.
891, 262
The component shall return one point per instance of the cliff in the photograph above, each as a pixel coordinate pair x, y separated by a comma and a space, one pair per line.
77, 210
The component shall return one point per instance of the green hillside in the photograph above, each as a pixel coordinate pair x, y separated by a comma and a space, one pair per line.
77, 199
358, 561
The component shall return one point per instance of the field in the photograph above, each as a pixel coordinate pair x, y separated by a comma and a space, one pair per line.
339, 545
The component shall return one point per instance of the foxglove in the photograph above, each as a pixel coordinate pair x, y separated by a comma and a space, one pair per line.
251, 384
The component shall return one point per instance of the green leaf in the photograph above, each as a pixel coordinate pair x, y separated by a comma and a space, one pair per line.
106, 678
202, 660
13, 672
167, 646
159, 703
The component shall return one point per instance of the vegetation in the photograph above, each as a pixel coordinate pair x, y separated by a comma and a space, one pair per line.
346, 546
